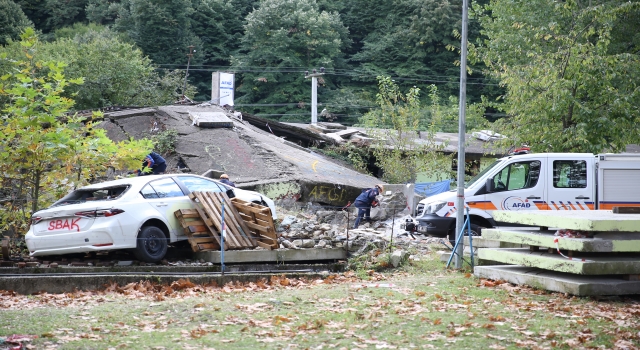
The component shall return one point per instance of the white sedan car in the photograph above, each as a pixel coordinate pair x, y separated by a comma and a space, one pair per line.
133, 213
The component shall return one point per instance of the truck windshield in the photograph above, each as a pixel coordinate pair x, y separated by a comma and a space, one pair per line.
481, 174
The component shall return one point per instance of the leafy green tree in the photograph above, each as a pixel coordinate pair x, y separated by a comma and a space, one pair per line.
114, 72
63, 13
567, 69
36, 11
400, 150
161, 28
46, 151
219, 26
415, 41
283, 38
12, 21
103, 12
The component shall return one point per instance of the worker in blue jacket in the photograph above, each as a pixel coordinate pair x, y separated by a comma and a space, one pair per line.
154, 163
224, 178
365, 201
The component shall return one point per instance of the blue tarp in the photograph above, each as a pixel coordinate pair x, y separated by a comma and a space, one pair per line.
432, 188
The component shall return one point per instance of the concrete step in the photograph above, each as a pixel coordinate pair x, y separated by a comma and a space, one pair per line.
601, 242
593, 264
585, 220
273, 256
560, 282
63, 283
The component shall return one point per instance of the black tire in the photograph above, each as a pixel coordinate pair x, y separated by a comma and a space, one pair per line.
476, 230
151, 245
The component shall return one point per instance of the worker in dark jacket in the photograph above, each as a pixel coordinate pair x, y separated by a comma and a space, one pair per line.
154, 163
365, 201
224, 178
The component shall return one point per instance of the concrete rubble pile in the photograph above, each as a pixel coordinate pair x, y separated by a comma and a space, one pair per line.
328, 229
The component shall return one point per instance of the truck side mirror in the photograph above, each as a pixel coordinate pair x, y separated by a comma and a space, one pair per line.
230, 193
488, 186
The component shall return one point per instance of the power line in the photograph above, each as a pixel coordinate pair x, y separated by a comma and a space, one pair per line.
416, 78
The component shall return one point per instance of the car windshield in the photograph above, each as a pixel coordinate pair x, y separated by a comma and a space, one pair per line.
94, 194
481, 174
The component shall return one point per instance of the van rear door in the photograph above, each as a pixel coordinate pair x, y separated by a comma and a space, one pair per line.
571, 182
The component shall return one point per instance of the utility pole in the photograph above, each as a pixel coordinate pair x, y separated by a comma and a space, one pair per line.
184, 89
462, 137
314, 93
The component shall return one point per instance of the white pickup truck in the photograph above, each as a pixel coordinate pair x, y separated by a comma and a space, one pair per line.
536, 181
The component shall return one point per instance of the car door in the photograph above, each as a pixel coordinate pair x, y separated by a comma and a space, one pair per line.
166, 197
571, 183
518, 186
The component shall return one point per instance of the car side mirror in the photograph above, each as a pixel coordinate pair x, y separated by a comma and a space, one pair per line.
230, 193
489, 186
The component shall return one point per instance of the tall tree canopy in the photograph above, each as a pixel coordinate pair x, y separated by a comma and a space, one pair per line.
569, 72
12, 21
283, 38
161, 28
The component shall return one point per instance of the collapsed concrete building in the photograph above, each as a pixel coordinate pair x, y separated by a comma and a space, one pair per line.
213, 140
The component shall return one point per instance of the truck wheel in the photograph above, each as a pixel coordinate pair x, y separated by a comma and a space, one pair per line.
476, 230
151, 245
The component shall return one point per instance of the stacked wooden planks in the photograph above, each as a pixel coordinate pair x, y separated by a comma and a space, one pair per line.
259, 220
247, 225
201, 236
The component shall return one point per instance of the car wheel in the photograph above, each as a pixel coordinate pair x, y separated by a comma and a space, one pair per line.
151, 245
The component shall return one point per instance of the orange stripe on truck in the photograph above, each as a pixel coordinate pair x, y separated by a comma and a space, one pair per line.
541, 205
483, 205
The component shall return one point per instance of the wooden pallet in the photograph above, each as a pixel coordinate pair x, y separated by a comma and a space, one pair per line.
237, 235
247, 224
201, 237
259, 220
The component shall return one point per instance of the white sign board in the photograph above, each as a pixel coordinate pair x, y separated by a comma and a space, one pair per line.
222, 87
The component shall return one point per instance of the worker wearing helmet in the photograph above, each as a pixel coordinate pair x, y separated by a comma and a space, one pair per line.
365, 201
224, 178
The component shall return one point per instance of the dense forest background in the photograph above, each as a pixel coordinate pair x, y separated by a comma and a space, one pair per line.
554, 75
268, 44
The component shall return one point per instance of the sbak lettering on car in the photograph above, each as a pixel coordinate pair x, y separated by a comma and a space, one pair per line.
68, 224
515, 203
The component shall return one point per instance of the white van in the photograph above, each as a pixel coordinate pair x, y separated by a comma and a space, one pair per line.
536, 181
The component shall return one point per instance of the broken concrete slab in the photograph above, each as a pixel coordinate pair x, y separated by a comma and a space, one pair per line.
320, 128
587, 220
333, 126
337, 138
210, 119
602, 242
345, 134
591, 265
127, 113
559, 282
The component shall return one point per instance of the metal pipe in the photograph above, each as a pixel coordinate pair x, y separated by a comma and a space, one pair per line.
462, 132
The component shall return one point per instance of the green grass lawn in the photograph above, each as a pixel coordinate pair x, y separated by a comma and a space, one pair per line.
420, 305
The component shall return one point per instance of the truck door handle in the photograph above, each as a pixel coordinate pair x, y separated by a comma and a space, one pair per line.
161, 205
582, 197
533, 197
